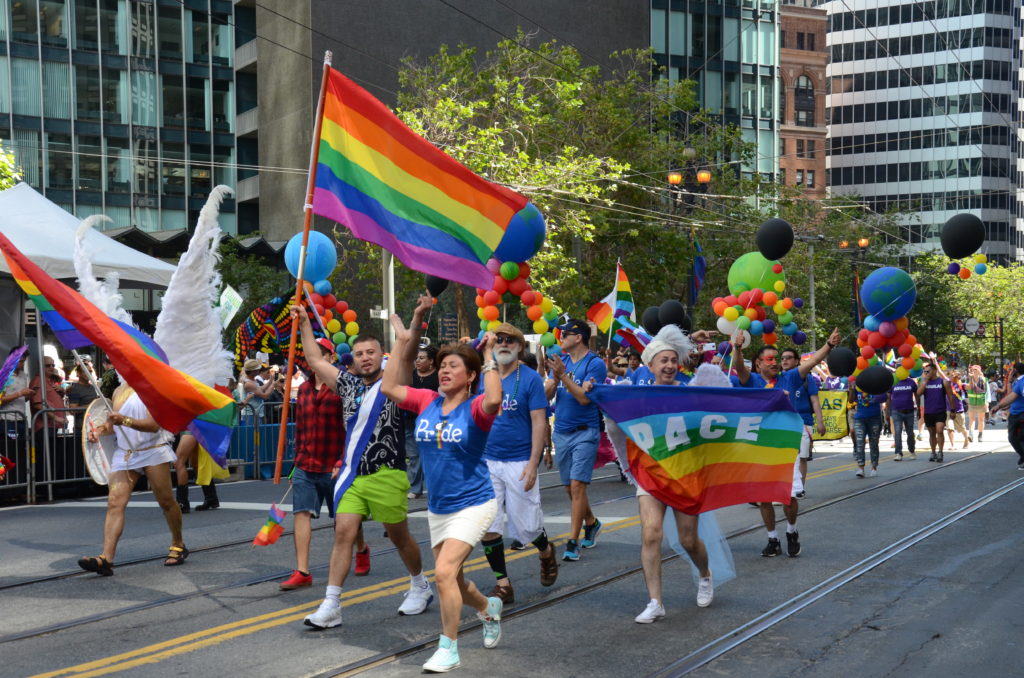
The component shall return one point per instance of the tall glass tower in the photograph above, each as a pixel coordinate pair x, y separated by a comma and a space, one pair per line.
121, 107
730, 49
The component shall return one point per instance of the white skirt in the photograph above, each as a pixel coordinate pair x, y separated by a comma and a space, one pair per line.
468, 525
142, 459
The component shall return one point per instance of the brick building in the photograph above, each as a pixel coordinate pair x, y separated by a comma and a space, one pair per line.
803, 57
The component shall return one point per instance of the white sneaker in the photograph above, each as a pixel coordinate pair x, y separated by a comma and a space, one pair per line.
327, 616
416, 600
651, 613
705, 591
859, 473
872, 473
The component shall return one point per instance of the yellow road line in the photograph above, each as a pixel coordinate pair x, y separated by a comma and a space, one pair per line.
218, 634
843, 467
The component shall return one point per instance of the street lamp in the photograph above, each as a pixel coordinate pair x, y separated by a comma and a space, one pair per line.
856, 253
691, 181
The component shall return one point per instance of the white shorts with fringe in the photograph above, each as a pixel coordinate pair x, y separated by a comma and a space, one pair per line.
467, 525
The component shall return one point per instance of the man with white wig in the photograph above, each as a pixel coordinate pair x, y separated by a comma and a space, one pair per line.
662, 357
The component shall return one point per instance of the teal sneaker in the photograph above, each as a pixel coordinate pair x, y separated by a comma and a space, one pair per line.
445, 658
492, 622
572, 551
590, 533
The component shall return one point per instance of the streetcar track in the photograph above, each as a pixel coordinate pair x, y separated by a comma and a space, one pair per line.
393, 655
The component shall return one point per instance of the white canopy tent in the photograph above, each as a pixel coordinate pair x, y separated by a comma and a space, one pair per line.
45, 233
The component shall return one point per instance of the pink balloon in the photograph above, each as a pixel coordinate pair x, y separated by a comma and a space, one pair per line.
493, 265
887, 329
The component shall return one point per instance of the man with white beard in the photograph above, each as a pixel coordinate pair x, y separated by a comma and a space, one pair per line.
513, 453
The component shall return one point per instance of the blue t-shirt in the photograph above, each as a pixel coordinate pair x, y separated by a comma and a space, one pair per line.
1017, 406
800, 392
454, 468
511, 435
569, 414
644, 377
754, 381
869, 407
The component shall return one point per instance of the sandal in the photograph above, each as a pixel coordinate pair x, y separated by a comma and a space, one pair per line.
97, 564
176, 555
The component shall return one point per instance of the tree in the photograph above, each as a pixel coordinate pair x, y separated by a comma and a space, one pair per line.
256, 281
10, 173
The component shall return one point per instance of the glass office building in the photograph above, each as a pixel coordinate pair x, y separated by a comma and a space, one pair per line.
121, 107
730, 49
923, 107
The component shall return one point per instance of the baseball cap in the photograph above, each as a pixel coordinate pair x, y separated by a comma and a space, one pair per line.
325, 344
578, 326
512, 331
252, 366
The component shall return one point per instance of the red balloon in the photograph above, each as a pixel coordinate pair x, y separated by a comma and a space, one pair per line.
500, 285
756, 296
868, 352
316, 299
524, 270
480, 291
491, 298
341, 306
863, 335
518, 286
744, 299
905, 350
319, 309
777, 268
761, 313
527, 297
330, 301
731, 300
876, 340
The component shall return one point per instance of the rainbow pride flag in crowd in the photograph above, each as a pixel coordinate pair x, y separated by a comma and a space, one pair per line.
272, 529
698, 449
174, 399
606, 313
391, 187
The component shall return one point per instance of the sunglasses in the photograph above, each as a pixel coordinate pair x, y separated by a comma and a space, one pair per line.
570, 334
770, 360
502, 339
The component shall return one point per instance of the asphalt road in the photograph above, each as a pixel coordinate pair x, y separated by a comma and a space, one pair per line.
947, 605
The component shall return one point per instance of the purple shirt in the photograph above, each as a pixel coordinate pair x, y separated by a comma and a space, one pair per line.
935, 397
903, 394
959, 394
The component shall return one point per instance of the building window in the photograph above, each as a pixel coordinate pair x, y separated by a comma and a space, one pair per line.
800, 148
52, 16
799, 40
90, 163
810, 149
810, 179
143, 30
799, 177
804, 119
24, 20
59, 161
114, 26
810, 41
87, 34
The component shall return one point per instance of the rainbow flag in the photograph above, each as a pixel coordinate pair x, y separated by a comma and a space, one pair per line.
632, 335
272, 529
606, 313
174, 399
391, 187
698, 449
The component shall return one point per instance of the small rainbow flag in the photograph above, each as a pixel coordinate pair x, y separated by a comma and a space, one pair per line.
632, 335
698, 449
174, 399
391, 187
272, 529
619, 303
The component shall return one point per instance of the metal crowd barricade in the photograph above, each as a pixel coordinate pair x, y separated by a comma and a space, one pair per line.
56, 452
15, 446
254, 441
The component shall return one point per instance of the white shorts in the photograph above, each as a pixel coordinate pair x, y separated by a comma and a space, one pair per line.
468, 525
142, 459
805, 444
525, 517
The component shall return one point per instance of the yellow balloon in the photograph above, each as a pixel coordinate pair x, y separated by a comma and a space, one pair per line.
857, 371
493, 325
480, 312
731, 314
779, 307
352, 328
333, 326
902, 373
980, 258
916, 352
751, 313
541, 326
779, 286
547, 305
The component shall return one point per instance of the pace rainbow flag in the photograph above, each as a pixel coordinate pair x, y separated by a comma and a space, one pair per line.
698, 449
174, 399
391, 187
606, 313
272, 529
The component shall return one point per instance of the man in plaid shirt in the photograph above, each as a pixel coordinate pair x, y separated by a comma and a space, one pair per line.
319, 448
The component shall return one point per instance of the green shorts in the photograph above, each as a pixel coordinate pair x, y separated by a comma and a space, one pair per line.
381, 495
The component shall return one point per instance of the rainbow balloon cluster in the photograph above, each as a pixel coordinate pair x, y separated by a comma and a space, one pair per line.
888, 294
757, 286
510, 282
980, 267
339, 320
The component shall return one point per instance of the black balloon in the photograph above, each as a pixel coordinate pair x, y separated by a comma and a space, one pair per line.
649, 320
774, 239
841, 362
962, 236
435, 285
672, 312
875, 380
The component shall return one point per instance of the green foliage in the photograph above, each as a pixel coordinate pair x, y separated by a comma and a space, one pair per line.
10, 173
255, 280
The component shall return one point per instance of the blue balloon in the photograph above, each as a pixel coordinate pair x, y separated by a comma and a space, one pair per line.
322, 287
871, 323
524, 236
321, 256
888, 293
342, 349
798, 302
980, 269
915, 373
768, 326
756, 328
799, 338
789, 329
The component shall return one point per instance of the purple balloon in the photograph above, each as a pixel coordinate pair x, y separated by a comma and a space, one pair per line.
493, 265
798, 302
769, 326
724, 347
887, 329
953, 268
799, 338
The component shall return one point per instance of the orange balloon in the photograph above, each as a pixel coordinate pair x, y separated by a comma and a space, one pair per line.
327, 316
901, 323
908, 363
720, 307
535, 313
770, 298
490, 312
788, 303
769, 337
862, 363
861, 343
751, 313
480, 301
965, 273
349, 316
911, 339
308, 286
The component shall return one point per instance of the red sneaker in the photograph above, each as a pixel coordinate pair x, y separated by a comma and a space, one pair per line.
296, 581
363, 562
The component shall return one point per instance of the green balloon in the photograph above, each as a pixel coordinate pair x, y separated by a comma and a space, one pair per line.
752, 271
785, 318
339, 338
743, 322
547, 339
483, 324
509, 270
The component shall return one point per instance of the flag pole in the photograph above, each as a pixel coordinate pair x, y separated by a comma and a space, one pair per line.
314, 155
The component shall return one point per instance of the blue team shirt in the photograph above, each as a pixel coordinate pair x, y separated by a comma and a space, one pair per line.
1017, 406
455, 470
754, 381
643, 376
511, 436
869, 407
800, 392
569, 414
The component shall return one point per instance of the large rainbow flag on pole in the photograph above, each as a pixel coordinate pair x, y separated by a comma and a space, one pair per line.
391, 187
175, 400
698, 449
606, 313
